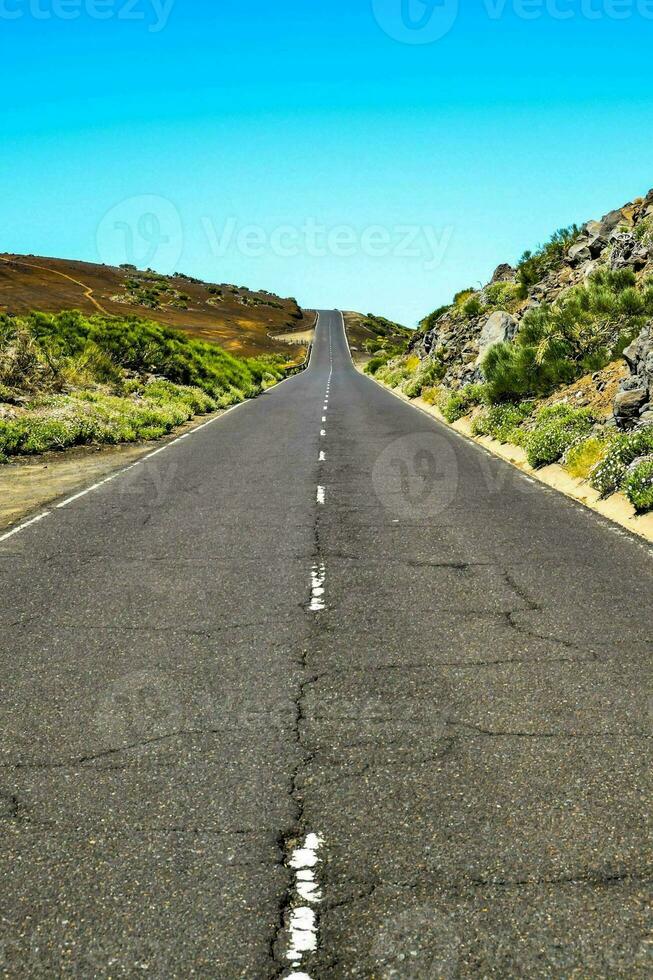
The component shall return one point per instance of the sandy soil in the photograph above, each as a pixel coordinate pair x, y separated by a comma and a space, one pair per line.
304, 337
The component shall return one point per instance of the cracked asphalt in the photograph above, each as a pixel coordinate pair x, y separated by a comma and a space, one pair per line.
466, 724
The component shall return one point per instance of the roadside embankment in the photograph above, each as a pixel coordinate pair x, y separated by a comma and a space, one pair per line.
616, 508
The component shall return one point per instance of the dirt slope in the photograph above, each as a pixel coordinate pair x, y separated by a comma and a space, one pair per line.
239, 319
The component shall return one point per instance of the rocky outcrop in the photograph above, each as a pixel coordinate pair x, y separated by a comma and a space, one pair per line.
460, 340
503, 273
633, 402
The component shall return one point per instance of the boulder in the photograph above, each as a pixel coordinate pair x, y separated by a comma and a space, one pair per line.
580, 253
610, 222
598, 234
627, 404
503, 273
498, 328
592, 229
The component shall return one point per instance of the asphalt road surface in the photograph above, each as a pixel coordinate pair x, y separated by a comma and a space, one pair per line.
323, 690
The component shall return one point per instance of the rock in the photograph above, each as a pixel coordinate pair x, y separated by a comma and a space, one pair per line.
498, 328
646, 417
631, 355
589, 268
592, 229
628, 253
503, 273
638, 462
580, 253
597, 235
628, 403
610, 222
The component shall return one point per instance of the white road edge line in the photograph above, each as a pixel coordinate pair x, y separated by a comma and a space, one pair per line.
25, 524
82, 493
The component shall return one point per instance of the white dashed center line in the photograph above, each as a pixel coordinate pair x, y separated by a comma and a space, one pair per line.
321, 495
318, 578
302, 927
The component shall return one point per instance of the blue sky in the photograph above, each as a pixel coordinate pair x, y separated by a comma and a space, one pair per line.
314, 148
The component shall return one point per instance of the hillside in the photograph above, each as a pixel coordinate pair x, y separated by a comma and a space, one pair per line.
554, 355
243, 322
369, 335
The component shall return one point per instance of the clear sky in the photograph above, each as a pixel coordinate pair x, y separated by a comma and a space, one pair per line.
368, 154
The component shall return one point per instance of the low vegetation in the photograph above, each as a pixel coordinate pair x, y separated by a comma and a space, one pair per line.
67, 379
556, 430
638, 486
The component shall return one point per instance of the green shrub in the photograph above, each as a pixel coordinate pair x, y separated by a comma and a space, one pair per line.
61, 421
638, 486
430, 321
534, 266
582, 457
429, 372
556, 429
145, 347
432, 396
376, 363
413, 387
473, 307
502, 295
461, 297
501, 421
456, 404
392, 375
557, 343
608, 475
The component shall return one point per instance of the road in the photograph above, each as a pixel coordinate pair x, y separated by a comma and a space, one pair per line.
323, 674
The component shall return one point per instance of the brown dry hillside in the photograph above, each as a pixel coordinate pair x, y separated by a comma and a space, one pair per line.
238, 319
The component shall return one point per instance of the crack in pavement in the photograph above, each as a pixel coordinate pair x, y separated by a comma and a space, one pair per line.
291, 835
366, 890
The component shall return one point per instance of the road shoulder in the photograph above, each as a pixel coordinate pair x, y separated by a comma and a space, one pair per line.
616, 508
